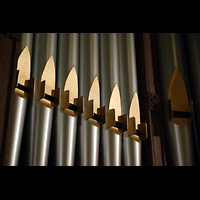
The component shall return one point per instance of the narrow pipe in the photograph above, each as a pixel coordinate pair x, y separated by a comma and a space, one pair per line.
132, 155
178, 139
19, 111
64, 126
44, 115
110, 142
88, 134
17, 129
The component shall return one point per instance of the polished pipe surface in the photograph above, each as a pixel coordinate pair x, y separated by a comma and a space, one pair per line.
17, 130
46, 46
64, 126
88, 134
178, 139
43, 134
19, 111
192, 50
132, 151
110, 142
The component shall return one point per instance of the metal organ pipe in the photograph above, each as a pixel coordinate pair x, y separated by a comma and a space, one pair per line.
110, 142
88, 134
178, 139
128, 83
64, 126
20, 106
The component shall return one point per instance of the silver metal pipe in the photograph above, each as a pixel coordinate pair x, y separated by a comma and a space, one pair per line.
64, 126
110, 142
19, 111
88, 134
178, 139
17, 129
44, 115
192, 50
38, 63
132, 155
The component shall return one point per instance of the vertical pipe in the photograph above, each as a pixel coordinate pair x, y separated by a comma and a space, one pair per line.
192, 50
44, 115
128, 82
88, 134
64, 126
19, 112
178, 139
38, 63
111, 142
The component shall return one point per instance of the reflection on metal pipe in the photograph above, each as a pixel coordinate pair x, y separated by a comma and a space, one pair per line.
131, 152
49, 98
46, 46
192, 51
88, 134
63, 140
178, 139
20, 104
110, 142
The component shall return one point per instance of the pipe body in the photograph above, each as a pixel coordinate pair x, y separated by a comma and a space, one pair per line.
19, 112
178, 139
44, 115
132, 152
17, 130
192, 50
110, 142
64, 126
88, 134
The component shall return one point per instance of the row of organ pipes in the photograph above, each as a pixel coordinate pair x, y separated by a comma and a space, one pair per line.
49, 136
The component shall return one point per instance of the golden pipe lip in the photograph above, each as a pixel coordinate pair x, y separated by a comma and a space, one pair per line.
94, 94
178, 100
71, 84
134, 110
24, 65
115, 102
23, 74
48, 75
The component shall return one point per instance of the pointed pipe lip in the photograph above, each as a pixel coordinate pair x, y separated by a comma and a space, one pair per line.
94, 113
48, 75
94, 94
24, 86
115, 121
136, 130
23, 65
71, 104
181, 111
48, 95
115, 101
71, 84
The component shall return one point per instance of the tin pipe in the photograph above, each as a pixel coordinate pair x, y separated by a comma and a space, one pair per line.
88, 134
44, 115
110, 142
19, 111
131, 151
64, 126
192, 50
178, 139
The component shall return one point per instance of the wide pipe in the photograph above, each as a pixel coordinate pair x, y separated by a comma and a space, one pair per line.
131, 150
88, 134
110, 142
44, 114
19, 111
178, 139
64, 126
